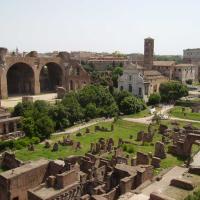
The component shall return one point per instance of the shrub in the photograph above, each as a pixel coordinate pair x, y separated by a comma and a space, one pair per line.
78, 134
131, 104
131, 149
124, 147
189, 81
154, 99
172, 90
194, 196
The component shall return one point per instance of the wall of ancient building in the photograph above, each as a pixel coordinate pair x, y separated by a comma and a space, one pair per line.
25, 181
72, 77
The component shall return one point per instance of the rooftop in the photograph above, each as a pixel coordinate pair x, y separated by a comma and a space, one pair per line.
23, 169
185, 65
132, 66
9, 119
164, 63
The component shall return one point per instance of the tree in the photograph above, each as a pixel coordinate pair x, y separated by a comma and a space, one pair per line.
44, 127
28, 126
35, 119
118, 71
100, 97
172, 90
120, 95
60, 116
131, 104
91, 111
21, 108
73, 107
154, 99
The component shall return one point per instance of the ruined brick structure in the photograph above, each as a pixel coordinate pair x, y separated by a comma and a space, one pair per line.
9, 126
183, 139
35, 73
77, 177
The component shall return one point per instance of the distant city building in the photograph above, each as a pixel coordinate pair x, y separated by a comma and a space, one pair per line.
148, 52
142, 81
180, 72
136, 58
139, 81
193, 56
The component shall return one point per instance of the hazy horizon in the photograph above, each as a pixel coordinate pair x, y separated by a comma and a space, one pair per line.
99, 26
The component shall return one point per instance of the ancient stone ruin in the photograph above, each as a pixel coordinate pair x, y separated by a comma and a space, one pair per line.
77, 177
27, 73
183, 139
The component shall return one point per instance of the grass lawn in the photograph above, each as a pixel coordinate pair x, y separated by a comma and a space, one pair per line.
143, 113
181, 123
177, 112
122, 129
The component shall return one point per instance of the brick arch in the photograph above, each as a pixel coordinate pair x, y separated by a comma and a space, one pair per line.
50, 75
189, 141
22, 75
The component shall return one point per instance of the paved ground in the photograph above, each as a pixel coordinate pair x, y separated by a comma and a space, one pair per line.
84, 125
147, 120
164, 110
185, 120
159, 186
196, 160
13, 101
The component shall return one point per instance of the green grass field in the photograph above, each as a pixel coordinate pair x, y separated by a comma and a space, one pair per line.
177, 112
122, 129
143, 113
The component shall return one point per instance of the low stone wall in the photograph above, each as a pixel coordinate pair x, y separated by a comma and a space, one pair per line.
194, 170
156, 196
184, 184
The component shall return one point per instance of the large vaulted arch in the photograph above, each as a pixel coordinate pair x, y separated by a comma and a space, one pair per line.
51, 76
20, 79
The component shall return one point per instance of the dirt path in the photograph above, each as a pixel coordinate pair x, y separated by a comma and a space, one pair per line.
81, 126
164, 110
13, 101
148, 120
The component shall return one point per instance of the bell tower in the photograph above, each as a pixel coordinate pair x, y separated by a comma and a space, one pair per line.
148, 52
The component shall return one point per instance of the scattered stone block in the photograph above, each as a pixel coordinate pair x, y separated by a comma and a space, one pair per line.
155, 162
156, 196
61, 91
142, 159
181, 183
160, 150
55, 147
194, 170
31, 147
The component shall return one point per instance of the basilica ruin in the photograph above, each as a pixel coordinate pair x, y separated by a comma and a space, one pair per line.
33, 73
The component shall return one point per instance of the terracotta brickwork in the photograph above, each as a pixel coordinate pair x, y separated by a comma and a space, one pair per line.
34, 73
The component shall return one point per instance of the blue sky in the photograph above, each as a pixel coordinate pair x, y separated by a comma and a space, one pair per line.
100, 25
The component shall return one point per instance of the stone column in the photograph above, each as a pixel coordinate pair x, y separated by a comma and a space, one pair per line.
37, 84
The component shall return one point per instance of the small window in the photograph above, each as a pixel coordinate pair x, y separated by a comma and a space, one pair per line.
130, 88
130, 77
121, 88
140, 92
16, 198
